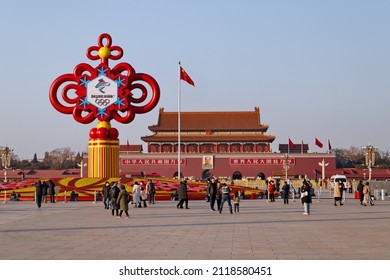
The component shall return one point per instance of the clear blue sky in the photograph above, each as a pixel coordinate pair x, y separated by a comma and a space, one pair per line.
315, 68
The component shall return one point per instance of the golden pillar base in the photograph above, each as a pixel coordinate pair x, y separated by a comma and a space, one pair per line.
103, 158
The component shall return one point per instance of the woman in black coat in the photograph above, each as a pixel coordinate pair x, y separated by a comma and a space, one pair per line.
183, 196
306, 197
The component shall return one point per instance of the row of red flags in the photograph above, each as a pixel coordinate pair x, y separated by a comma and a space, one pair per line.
317, 142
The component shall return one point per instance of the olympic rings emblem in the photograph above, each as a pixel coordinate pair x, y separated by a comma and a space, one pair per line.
102, 101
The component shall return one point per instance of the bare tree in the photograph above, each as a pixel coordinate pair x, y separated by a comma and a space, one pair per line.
61, 158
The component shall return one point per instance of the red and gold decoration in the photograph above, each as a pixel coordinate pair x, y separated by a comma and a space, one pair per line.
105, 94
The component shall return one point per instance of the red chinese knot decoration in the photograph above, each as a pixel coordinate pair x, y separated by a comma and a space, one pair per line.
103, 93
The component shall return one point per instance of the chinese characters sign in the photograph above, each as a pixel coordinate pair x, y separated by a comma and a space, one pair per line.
260, 161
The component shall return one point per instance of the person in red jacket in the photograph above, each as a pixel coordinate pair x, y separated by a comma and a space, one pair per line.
271, 191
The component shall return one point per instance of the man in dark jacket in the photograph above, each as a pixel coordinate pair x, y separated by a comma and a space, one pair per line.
106, 193
38, 193
183, 196
213, 193
286, 192
51, 191
360, 190
45, 188
114, 193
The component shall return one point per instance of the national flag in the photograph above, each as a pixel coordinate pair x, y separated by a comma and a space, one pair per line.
291, 144
318, 143
128, 145
329, 146
185, 77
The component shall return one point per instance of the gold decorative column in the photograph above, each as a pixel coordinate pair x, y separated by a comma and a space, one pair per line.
103, 151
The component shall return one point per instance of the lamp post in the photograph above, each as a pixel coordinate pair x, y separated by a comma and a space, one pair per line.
323, 164
286, 165
6, 159
369, 152
82, 165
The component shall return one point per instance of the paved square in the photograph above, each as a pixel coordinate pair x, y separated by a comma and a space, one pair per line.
262, 230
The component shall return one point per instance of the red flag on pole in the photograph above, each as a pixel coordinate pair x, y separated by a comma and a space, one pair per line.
291, 144
185, 77
329, 146
319, 144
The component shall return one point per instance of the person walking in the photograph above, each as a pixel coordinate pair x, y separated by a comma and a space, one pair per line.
305, 192
52, 191
225, 191
136, 195
337, 193
142, 196
123, 201
213, 189
360, 190
218, 196
286, 192
183, 195
151, 191
114, 193
106, 195
207, 190
367, 195
236, 202
38, 193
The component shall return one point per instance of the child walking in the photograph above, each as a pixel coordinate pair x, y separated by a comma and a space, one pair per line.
236, 202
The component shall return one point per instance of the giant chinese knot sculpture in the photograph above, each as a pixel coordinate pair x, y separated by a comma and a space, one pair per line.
105, 94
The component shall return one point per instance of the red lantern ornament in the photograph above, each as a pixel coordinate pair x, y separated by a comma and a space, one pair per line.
102, 133
92, 133
113, 133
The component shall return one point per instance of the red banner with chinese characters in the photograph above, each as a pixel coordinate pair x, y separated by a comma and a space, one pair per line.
155, 161
260, 161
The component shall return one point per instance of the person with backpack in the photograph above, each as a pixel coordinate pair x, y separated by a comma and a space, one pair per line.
225, 196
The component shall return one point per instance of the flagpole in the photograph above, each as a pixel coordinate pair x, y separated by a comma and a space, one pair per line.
288, 146
178, 123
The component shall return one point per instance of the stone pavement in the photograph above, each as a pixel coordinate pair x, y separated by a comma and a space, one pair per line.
262, 230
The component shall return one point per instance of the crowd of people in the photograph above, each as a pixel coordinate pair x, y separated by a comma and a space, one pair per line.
116, 198
42, 190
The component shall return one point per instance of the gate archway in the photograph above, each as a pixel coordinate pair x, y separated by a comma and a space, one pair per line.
237, 175
206, 174
261, 175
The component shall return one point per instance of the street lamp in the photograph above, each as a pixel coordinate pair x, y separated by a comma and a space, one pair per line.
6, 159
369, 152
286, 165
81, 165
